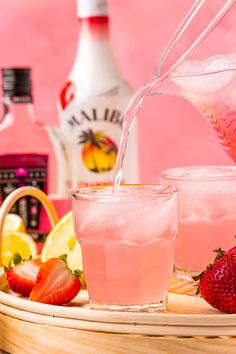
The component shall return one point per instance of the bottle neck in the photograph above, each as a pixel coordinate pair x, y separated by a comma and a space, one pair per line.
94, 28
21, 112
94, 63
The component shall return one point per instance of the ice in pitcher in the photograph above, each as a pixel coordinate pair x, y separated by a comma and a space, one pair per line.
127, 239
198, 75
211, 87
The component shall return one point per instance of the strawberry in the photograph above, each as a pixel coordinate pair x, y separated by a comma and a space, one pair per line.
217, 284
55, 283
22, 277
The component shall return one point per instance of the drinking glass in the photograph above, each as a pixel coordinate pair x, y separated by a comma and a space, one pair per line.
127, 241
207, 214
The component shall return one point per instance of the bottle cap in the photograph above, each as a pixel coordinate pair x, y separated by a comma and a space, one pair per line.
92, 8
16, 83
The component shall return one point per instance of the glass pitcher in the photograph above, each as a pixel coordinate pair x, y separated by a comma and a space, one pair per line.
199, 64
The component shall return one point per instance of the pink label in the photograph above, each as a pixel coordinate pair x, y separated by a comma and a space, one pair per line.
18, 170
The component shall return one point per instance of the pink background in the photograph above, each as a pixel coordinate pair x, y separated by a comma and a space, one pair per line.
43, 34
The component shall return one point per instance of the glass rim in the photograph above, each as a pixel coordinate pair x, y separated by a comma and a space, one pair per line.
169, 173
87, 193
202, 74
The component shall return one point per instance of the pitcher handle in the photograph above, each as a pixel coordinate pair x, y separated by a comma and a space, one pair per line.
176, 36
180, 31
23, 192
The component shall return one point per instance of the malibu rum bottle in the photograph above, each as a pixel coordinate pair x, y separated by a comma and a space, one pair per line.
92, 104
31, 154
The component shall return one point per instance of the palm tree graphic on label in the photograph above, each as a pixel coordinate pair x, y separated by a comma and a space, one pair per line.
98, 152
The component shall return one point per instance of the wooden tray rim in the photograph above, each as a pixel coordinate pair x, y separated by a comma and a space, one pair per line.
128, 328
214, 318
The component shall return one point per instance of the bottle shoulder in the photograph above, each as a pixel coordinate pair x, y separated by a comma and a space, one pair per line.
17, 135
110, 92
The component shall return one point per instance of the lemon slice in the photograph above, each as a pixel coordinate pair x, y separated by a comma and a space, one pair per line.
62, 240
20, 242
13, 222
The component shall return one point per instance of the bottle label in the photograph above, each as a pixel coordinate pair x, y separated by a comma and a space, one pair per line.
18, 170
93, 129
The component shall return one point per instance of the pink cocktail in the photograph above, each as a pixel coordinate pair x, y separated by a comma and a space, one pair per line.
207, 214
127, 240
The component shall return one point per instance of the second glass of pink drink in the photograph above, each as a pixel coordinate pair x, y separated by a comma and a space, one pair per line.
207, 214
127, 240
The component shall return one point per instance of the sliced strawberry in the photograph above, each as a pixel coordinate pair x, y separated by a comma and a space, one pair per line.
22, 277
55, 283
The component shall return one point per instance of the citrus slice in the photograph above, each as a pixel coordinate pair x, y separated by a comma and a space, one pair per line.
62, 240
20, 242
13, 222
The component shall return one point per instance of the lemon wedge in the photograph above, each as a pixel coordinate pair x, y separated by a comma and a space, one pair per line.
62, 240
13, 222
20, 242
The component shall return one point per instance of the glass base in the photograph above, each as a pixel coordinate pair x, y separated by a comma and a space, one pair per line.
153, 307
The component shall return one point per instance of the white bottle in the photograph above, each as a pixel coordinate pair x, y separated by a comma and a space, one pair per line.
92, 104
